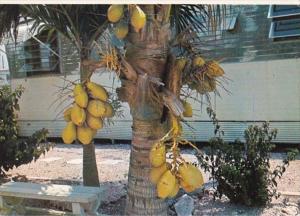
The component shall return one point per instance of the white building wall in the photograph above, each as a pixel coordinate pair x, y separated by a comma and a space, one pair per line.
267, 90
4, 70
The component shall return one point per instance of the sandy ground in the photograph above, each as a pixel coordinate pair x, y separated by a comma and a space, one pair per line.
64, 163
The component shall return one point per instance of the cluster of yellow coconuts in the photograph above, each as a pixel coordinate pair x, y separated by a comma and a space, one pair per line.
170, 177
210, 70
86, 115
115, 13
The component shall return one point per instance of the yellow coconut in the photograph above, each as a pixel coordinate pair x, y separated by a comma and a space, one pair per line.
115, 13
174, 190
80, 96
180, 63
121, 30
157, 172
84, 135
206, 85
186, 187
214, 69
78, 115
138, 18
198, 61
157, 155
97, 91
188, 110
67, 114
93, 122
96, 108
109, 111
191, 175
69, 133
166, 184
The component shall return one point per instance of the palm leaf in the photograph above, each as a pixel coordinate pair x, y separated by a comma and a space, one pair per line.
10, 18
200, 18
81, 24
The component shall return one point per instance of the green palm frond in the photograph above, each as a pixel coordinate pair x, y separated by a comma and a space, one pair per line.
10, 18
200, 18
81, 24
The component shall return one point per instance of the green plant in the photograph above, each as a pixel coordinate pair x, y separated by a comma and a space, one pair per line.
13, 150
242, 170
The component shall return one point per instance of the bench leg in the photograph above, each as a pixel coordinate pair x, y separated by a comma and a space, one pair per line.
1, 202
77, 209
93, 208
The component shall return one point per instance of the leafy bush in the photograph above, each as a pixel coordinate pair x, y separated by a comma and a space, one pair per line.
242, 170
13, 150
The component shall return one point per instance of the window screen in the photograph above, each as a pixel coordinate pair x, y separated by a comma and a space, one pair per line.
36, 54
285, 21
283, 10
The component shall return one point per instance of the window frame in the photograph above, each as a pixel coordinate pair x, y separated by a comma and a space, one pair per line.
273, 34
36, 48
272, 14
288, 34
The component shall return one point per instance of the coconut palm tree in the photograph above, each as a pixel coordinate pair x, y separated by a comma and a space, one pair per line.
82, 25
149, 73
170, 32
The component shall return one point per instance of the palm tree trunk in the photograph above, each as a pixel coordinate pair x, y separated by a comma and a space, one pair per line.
147, 54
89, 169
141, 197
89, 166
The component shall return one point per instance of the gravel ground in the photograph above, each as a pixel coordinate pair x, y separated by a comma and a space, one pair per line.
64, 164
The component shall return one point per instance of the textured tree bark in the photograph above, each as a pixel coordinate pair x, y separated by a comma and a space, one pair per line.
141, 197
89, 165
147, 54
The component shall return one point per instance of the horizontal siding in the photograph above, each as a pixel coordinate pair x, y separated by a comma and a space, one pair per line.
288, 132
249, 41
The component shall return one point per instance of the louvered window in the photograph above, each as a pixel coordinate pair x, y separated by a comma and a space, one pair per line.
285, 21
38, 54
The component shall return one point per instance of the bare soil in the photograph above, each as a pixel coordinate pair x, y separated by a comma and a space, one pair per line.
63, 165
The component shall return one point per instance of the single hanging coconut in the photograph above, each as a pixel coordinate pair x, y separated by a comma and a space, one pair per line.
157, 172
191, 175
180, 63
78, 115
93, 122
214, 69
186, 187
157, 155
115, 13
84, 135
121, 30
69, 133
80, 96
166, 184
138, 18
97, 91
198, 61
96, 108
174, 190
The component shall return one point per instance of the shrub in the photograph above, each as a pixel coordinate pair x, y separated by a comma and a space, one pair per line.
13, 150
242, 170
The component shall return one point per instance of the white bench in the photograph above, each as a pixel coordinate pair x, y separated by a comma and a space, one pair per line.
84, 200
